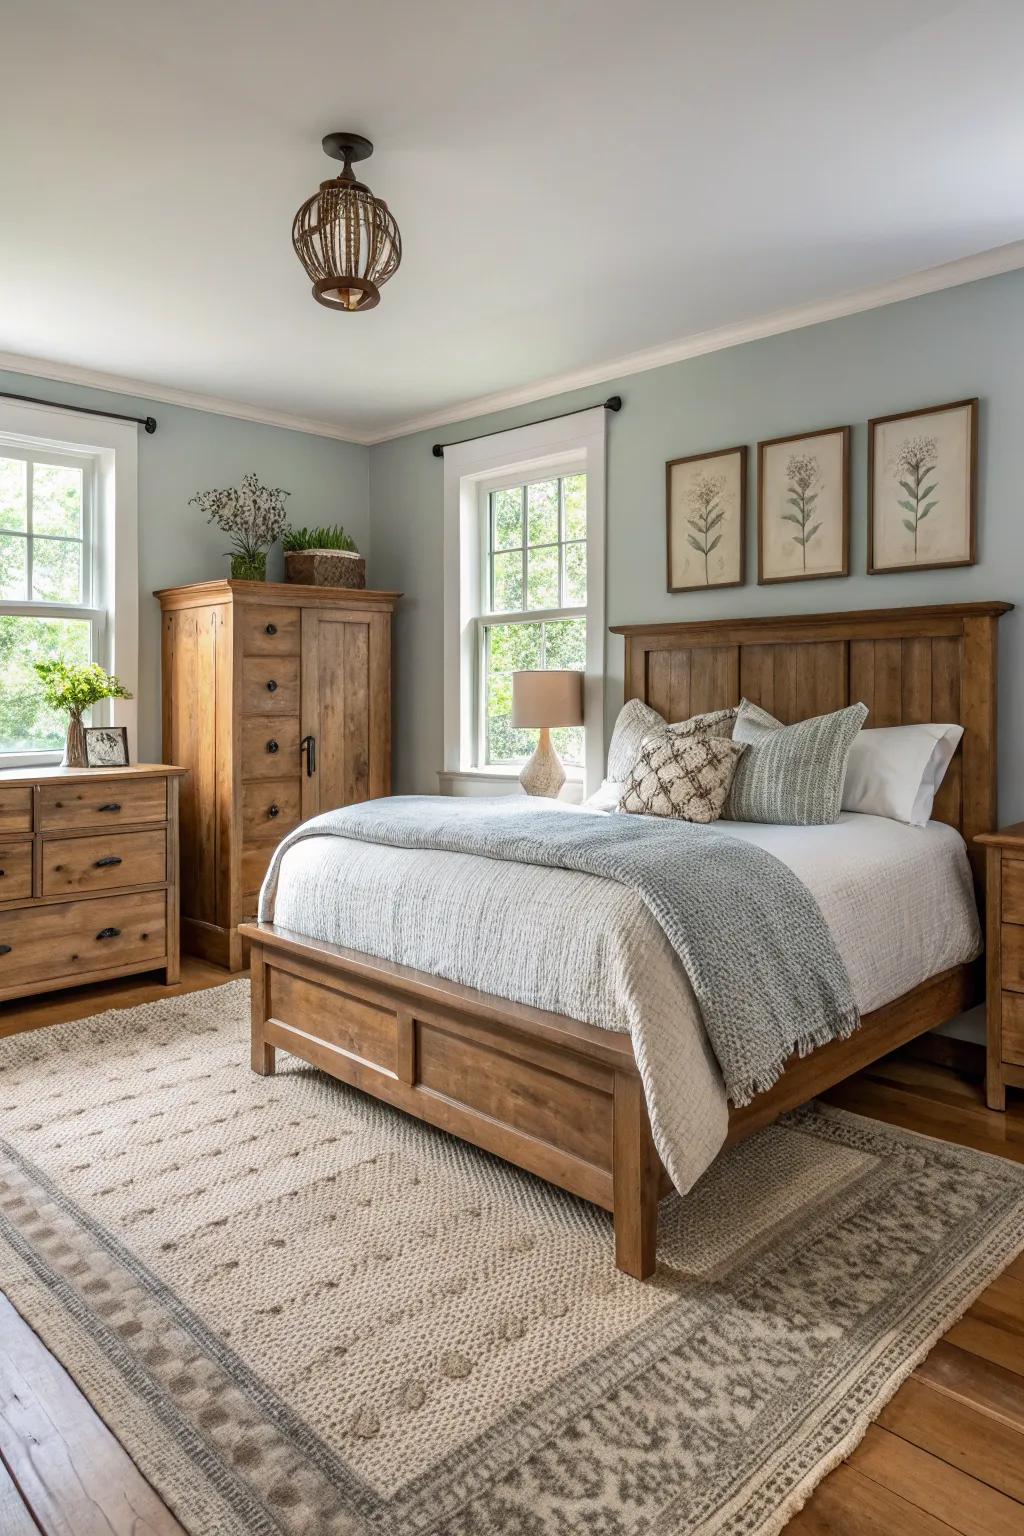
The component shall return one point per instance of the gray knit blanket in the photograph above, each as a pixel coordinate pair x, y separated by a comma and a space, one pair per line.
764, 968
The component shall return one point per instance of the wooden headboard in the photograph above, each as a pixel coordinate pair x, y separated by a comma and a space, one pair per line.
905, 664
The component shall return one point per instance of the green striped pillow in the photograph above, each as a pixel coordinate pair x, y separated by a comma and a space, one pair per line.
792, 774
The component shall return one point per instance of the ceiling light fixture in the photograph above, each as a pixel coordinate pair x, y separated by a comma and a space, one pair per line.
346, 238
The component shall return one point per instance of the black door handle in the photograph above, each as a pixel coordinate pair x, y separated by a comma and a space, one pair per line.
308, 746
273, 810
271, 686
109, 933
271, 629
272, 745
108, 862
112, 807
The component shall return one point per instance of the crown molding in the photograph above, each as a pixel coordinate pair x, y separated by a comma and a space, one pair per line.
951, 274
117, 384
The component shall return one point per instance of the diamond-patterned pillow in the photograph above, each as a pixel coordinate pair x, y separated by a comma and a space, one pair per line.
685, 775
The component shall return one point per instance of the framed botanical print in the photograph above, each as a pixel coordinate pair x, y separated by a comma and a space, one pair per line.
706, 496
803, 506
922, 473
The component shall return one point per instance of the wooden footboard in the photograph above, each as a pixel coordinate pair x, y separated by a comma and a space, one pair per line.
561, 1099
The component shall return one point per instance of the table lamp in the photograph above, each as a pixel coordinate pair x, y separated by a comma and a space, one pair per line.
545, 699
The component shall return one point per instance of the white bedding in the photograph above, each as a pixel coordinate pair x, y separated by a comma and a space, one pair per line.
898, 900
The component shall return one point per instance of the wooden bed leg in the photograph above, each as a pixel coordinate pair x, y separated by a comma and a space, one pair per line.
263, 1055
635, 1176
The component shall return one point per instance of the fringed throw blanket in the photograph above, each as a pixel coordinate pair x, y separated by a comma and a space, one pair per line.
762, 963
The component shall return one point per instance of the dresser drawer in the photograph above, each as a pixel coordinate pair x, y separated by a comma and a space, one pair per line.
75, 938
103, 861
107, 803
270, 809
1013, 889
1012, 956
15, 869
15, 808
270, 631
270, 685
270, 748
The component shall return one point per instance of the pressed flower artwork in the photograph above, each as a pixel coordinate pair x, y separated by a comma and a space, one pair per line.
921, 488
803, 499
705, 500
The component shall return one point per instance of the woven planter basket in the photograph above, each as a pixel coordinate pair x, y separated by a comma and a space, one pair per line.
325, 567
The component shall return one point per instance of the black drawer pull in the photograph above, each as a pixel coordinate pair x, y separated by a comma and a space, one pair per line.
273, 810
5, 949
2, 873
109, 933
108, 863
272, 745
113, 806
271, 629
271, 686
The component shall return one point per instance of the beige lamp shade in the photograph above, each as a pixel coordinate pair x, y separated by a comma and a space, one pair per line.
547, 698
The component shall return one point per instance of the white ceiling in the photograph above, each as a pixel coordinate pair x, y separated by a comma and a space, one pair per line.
575, 180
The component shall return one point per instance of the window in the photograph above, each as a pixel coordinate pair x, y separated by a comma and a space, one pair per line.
46, 586
524, 527
535, 578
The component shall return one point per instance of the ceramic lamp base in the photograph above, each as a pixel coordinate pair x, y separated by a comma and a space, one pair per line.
543, 774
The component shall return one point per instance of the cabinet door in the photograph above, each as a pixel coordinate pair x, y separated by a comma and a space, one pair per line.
346, 707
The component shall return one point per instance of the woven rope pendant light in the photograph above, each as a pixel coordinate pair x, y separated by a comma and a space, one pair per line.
346, 238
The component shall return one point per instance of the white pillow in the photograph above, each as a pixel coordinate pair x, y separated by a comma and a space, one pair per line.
896, 770
606, 798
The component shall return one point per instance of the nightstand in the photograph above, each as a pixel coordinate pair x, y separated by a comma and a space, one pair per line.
1004, 944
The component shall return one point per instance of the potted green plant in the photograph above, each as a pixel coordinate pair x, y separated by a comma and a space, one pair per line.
322, 557
253, 517
72, 687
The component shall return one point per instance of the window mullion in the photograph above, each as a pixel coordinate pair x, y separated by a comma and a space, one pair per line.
29, 499
526, 540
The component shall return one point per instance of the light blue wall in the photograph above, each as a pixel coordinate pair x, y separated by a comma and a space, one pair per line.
196, 450
947, 346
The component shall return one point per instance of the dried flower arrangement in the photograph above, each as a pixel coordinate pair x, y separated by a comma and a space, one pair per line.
253, 517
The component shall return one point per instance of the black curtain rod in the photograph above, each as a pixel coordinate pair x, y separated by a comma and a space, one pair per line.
613, 403
149, 422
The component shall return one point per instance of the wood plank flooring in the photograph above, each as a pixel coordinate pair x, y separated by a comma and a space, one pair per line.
945, 1456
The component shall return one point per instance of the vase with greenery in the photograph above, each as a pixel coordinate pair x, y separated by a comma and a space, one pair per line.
72, 687
322, 557
253, 517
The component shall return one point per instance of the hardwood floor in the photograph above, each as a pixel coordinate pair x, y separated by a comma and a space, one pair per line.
945, 1456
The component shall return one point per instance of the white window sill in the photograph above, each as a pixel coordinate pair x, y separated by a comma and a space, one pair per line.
30, 759
502, 781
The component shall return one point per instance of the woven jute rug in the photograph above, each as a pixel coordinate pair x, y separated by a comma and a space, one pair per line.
302, 1312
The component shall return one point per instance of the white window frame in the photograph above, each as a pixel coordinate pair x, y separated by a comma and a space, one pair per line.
569, 445
108, 453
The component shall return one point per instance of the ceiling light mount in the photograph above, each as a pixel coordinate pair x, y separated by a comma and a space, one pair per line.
344, 236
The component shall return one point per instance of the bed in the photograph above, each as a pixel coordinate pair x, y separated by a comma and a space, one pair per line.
566, 1100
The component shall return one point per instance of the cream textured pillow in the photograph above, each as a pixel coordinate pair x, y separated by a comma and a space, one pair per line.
637, 720
793, 774
682, 774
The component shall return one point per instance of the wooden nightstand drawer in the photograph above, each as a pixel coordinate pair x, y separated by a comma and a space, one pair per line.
1012, 956
105, 803
1013, 888
103, 861
15, 870
15, 808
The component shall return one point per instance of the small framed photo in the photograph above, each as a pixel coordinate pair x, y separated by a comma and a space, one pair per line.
922, 488
706, 496
106, 746
803, 506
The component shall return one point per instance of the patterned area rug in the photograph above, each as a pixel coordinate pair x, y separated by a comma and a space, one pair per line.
302, 1312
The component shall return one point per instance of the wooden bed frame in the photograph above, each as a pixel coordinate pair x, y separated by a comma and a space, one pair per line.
562, 1099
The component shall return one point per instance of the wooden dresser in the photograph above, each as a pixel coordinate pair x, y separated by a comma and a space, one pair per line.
1004, 960
277, 697
88, 875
